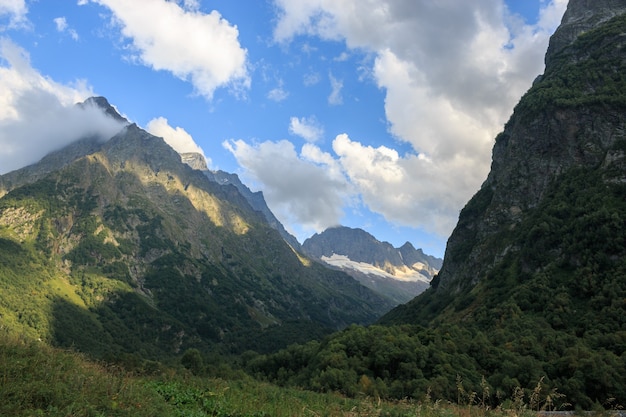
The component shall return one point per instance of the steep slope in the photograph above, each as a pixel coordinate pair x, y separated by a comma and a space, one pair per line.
397, 273
539, 253
256, 201
530, 304
122, 249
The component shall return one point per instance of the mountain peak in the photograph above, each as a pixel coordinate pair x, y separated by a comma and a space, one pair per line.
398, 273
105, 106
195, 160
582, 16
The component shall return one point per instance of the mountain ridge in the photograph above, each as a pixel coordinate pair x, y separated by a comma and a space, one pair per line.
124, 225
398, 273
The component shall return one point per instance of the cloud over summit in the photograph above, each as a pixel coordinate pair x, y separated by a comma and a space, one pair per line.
38, 115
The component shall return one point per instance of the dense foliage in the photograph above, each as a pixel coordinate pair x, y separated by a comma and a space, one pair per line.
587, 73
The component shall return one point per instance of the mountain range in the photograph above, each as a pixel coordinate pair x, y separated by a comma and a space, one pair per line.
399, 273
125, 250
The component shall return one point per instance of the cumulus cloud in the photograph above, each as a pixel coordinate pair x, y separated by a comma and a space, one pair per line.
15, 10
308, 189
176, 37
307, 128
176, 137
38, 115
451, 72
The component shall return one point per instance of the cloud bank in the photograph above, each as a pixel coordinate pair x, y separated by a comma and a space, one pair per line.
174, 36
38, 115
451, 72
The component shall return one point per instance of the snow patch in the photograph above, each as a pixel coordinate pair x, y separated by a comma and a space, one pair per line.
400, 274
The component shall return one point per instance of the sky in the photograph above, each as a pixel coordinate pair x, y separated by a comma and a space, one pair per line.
373, 114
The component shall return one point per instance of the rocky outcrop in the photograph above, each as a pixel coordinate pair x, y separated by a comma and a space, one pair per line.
194, 160
256, 200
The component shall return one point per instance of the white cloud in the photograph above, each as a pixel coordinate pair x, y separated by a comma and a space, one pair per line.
335, 98
177, 137
197, 47
307, 128
451, 71
306, 189
61, 24
38, 115
16, 11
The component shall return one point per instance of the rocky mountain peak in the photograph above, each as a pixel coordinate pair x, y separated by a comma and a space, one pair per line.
580, 17
195, 160
107, 108
397, 273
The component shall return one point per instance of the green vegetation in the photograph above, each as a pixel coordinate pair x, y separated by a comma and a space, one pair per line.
551, 310
178, 311
589, 73
36, 380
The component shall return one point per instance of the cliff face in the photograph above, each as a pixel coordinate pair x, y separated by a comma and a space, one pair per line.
571, 120
580, 17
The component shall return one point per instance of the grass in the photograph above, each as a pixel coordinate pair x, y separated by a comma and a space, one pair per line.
37, 380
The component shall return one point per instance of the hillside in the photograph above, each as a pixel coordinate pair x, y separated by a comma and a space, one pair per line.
119, 249
397, 273
531, 298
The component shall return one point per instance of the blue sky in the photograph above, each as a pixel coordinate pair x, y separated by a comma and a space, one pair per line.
377, 114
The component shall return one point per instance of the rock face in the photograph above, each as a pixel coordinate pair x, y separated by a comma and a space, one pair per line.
398, 273
580, 17
256, 200
572, 118
194, 160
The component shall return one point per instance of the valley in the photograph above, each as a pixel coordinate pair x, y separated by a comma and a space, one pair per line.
136, 281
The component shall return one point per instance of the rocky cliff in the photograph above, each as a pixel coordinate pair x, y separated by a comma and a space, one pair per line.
573, 118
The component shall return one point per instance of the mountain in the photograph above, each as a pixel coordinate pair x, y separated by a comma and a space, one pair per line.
559, 160
398, 273
529, 306
119, 249
255, 199
539, 251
